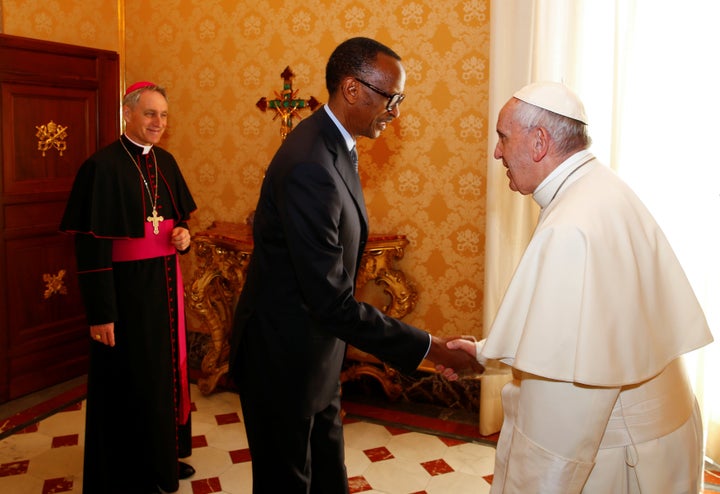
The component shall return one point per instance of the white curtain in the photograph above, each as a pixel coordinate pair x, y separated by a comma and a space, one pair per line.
647, 73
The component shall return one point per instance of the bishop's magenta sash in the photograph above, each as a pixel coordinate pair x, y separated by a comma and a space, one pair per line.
152, 245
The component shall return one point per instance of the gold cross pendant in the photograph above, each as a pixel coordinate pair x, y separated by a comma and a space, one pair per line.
155, 220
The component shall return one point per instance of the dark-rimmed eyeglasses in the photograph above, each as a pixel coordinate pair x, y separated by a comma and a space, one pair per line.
393, 99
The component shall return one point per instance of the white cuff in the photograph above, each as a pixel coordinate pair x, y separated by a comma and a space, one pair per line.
478, 352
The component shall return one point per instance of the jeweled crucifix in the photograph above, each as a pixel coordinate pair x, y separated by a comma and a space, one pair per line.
155, 220
286, 104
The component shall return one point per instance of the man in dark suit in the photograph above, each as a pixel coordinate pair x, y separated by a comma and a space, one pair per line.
297, 310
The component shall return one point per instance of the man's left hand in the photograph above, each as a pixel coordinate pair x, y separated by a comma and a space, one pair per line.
180, 238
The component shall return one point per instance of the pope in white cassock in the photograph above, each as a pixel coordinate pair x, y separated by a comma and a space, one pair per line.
594, 323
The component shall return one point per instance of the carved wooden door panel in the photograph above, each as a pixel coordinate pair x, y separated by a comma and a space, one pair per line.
59, 104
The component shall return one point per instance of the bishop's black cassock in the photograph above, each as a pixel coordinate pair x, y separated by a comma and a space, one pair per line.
138, 421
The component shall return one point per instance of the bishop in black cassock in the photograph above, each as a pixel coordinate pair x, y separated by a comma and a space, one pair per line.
128, 209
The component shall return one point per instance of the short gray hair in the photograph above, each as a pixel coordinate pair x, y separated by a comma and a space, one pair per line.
569, 135
131, 99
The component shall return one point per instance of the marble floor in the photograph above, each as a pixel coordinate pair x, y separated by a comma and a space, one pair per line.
389, 449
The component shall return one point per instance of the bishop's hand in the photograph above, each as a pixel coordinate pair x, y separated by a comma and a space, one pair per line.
180, 238
103, 333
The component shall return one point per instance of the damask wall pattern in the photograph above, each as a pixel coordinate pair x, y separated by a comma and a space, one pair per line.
424, 177
90, 23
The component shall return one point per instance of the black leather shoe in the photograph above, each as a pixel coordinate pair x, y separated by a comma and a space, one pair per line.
185, 471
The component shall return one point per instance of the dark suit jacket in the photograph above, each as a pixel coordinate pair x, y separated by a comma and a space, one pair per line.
297, 308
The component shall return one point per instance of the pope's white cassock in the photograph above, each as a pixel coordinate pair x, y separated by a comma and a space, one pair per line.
593, 323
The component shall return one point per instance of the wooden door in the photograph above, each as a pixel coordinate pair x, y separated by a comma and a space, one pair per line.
59, 104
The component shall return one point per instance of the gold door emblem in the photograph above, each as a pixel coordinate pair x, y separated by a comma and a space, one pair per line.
51, 135
54, 283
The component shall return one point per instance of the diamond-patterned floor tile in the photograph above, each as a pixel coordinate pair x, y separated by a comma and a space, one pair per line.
240, 456
358, 484
206, 486
378, 454
52, 486
14, 468
437, 467
61, 441
199, 442
227, 418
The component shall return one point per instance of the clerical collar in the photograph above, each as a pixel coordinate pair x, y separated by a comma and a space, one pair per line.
349, 141
548, 188
146, 149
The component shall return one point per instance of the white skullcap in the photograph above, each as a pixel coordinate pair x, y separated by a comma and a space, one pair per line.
554, 97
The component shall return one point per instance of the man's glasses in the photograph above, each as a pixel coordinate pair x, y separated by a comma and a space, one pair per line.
393, 99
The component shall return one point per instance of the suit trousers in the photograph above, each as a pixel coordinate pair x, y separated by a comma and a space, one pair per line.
290, 453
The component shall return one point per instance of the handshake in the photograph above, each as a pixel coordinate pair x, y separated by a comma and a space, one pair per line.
455, 357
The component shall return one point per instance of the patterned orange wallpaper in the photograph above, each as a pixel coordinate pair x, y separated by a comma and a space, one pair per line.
90, 23
424, 177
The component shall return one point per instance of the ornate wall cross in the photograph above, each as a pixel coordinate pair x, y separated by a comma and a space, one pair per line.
286, 104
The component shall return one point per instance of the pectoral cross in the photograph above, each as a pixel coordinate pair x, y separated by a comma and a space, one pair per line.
155, 220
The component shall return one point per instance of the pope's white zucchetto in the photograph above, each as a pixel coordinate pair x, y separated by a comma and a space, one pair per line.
555, 97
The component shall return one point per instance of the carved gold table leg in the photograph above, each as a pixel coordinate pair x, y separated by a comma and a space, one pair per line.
378, 265
212, 296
